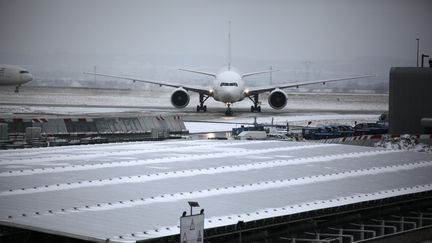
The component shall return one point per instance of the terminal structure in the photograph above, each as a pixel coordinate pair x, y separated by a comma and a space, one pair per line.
410, 101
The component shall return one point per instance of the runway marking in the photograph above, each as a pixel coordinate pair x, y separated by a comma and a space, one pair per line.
258, 186
192, 172
192, 157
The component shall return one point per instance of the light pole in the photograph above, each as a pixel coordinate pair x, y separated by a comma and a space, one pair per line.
271, 75
192, 205
418, 45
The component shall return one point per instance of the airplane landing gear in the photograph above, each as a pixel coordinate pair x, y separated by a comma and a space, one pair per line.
229, 112
255, 107
201, 106
17, 88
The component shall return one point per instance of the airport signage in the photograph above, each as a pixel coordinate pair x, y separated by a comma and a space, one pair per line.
192, 229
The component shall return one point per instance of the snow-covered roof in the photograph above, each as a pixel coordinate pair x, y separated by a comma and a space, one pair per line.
136, 191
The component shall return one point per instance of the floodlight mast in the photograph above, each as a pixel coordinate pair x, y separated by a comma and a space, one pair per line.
229, 45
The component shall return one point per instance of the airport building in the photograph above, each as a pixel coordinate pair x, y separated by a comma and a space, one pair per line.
410, 100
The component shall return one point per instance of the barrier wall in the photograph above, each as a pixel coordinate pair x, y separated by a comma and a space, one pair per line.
141, 124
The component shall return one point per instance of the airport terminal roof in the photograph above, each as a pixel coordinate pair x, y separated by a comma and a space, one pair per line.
128, 192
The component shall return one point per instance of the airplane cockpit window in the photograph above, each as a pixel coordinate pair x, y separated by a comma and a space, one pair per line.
229, 84
23, 71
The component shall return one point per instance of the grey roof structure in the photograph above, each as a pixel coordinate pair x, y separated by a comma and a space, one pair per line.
128, 192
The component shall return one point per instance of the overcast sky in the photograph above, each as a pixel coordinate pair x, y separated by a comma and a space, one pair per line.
260, 29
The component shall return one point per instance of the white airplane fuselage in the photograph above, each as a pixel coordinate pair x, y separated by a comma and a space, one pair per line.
14, 75
228, 87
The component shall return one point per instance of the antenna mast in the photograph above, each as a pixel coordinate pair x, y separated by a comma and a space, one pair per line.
271, 75
229, 45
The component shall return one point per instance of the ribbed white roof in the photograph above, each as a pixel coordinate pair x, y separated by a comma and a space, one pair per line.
136, 191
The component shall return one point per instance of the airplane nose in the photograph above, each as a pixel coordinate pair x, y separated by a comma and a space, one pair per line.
28, 77
228, 96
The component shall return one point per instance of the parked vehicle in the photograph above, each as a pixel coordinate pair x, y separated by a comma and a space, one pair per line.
337, 131
369, 129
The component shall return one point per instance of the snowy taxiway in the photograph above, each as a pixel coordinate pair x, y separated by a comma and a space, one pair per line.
320, 108
71, 101
134, 191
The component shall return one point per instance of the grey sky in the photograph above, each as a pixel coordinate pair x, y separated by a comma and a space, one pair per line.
299, 30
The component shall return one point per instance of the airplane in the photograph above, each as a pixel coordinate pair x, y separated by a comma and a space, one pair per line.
11, 75
228, 87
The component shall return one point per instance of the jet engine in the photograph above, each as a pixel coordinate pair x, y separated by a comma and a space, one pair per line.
180, 98
277, 99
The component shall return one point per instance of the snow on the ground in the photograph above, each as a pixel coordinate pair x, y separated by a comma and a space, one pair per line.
404, 142
25, 109
86, 97
307, 117
202, 127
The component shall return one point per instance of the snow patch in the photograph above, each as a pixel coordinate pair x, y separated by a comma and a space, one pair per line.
404, 142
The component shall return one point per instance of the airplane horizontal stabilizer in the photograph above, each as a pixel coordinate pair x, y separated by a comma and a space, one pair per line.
259, 72
199, 72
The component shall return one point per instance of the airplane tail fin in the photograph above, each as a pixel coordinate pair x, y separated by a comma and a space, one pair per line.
229, 45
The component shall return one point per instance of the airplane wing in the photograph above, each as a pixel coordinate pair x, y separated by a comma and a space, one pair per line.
186, 87
257, 90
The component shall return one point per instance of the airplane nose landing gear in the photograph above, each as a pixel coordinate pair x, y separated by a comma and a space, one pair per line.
17, 88
229, 112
